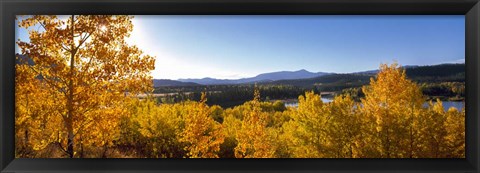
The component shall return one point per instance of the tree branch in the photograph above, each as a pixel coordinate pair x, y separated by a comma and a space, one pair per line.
83, 41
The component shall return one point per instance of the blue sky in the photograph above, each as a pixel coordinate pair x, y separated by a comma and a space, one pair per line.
230, 47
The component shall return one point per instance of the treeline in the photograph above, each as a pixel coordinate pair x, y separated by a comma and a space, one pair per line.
389, 122
333, 82
445, 90
437, 73
228, 96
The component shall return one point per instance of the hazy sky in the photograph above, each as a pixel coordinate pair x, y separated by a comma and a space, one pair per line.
230, 47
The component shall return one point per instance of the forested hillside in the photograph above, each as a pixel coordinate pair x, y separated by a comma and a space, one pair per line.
434, 73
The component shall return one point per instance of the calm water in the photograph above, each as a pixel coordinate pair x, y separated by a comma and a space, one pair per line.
446, 104
295, 103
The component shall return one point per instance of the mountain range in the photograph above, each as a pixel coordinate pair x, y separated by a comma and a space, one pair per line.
304, 77
168, 82
264, 77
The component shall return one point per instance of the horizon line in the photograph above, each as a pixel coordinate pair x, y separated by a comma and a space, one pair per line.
301, 70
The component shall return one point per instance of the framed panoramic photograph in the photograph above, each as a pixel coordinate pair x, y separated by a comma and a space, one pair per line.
240, 86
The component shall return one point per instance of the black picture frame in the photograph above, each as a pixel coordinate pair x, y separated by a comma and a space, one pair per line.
469, 8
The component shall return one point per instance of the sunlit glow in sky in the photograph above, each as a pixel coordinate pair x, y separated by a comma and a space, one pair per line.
232, 47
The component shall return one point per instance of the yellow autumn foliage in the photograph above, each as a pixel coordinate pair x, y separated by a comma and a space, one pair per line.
75, 97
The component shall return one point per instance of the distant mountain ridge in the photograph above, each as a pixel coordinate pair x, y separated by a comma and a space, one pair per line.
264, 77
305, 78
435, 73
168, 82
